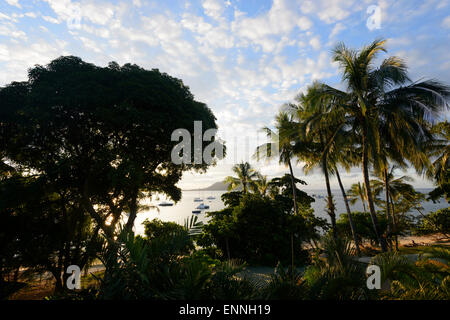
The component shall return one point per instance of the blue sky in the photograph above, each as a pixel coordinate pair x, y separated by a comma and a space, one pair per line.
244, 58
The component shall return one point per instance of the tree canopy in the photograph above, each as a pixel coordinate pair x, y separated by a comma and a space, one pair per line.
103, 132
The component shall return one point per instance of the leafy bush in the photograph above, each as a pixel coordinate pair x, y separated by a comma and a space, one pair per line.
242, 231
153, 268
426, 279
284, 284
363, 225
157, 231
438, 221
336, 276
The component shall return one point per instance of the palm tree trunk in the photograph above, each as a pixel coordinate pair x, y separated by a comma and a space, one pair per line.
388, 214
294, 195
363, 203
330, 198
349, 213
394, 222
373, 214
331, 212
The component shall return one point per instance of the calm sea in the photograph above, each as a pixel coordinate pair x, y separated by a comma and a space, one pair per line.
183, 209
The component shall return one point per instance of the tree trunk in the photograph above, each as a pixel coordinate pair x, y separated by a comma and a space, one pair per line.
363, 203
294, 195
394, 222
373, 214
133, 211
228, 248
388, 213
330, 198
349, 213
59, 285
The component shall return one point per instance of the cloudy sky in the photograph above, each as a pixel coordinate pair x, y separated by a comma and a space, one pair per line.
244, 58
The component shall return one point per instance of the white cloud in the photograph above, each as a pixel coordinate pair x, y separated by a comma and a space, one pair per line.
19, 57
137, 3
90, 44
31, 15
8, 29
264, 29
95, 12
14, 3
446, 22
332, 11
213, 8
315, 43
50, 19
338, 27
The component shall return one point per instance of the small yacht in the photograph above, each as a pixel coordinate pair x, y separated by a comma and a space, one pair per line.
202, 206
165, 204
196, 211
211, 198
198, 200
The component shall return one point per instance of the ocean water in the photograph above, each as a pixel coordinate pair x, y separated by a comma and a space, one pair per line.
180, 211
183, 209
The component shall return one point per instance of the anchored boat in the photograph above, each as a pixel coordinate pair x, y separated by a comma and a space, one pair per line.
165, 204
203, 206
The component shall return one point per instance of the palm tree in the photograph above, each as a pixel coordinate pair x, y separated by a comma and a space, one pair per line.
383, 94
396, 187
281, 142
316, 128
439, 171
345, 155
357, 192
260, 185
245, 176
349, 213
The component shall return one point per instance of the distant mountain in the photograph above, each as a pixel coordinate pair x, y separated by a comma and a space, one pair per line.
217, 186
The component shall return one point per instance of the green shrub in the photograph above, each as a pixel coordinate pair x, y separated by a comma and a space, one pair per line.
363, 226
434, 222
259, 231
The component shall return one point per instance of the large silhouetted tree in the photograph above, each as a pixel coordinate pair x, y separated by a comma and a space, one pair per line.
102, 132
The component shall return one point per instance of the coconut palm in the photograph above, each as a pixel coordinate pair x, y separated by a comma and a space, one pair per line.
281, 142
317, 125
397, 187
383, 94
439, 171
357, 192
326, 144
245, 176
345, 156
260, 185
